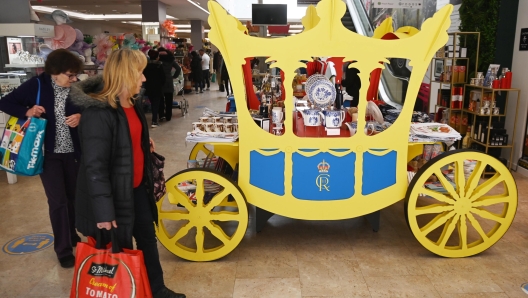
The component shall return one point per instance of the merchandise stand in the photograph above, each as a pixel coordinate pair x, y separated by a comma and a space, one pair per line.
330, 178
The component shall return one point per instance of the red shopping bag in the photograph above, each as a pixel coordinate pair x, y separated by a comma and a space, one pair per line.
108, 273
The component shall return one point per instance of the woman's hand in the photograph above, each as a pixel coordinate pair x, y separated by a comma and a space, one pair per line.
152, 146
106, 225
35, 111
73, 120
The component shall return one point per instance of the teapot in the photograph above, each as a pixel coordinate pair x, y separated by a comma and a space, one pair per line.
332, 118
311, 117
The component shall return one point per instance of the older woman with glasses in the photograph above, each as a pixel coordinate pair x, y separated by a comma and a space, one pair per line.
61, 142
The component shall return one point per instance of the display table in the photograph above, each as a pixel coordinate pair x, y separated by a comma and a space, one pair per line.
11, 178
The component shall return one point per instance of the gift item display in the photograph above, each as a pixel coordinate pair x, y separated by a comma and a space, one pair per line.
214, 127
310, 158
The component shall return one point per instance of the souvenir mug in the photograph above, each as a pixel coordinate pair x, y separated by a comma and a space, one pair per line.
228, 119
228, 127
204, 119
311, 117
333, 119
276, 115
219, 127
209, 127
235, 127
198, 126
216, 119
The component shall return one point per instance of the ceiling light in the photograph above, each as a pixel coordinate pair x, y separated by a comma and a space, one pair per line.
197, 5
88, 17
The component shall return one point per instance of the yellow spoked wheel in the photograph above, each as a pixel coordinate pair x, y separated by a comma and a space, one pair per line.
474, 194
200, 150
203, 217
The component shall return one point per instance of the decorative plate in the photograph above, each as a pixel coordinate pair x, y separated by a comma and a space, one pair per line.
322, 93
312, 79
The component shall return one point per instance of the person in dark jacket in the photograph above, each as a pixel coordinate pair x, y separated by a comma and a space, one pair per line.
169, 62
61, 142
352, 83
225, 78
155, 75
115, 186
196, 71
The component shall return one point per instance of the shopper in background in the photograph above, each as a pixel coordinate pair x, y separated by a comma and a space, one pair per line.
196, 71
169, 63
61, 142
115, 188
225, 79
205, 69
155, 76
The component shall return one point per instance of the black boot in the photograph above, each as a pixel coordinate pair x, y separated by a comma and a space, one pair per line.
168, 293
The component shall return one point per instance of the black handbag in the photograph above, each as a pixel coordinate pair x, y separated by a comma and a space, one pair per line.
158, 179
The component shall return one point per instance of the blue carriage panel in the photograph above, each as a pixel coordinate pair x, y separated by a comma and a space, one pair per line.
267, 172
323, 177
379, 172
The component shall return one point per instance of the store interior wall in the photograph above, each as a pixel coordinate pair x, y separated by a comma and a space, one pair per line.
519, 69
97, 27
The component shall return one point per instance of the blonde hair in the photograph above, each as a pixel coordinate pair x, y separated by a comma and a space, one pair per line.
121, 73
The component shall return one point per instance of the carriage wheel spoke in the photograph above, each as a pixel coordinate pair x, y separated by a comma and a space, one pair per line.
492, 200
488, 215
463, 232
448, 230
439, 220
200, 192
437, 196
217, 199
200, 238
225, 216
182, 232
174, 215
485, 187
434, 208
460, 178
474, 178
179, 196
446, 184
218, 233
476, 225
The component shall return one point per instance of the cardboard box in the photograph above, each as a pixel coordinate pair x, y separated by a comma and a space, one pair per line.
461, 74
263, 123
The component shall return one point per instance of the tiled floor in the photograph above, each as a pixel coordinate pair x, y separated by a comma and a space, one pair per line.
290, 258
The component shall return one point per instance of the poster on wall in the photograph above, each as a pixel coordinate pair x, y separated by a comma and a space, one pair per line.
398, 4
14, 45
523, 42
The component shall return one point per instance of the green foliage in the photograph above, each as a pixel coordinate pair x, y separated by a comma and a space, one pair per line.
480, 16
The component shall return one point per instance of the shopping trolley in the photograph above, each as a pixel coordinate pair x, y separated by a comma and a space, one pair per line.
183, 104
204, 214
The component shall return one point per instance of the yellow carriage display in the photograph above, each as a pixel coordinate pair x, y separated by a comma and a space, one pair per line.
333, 178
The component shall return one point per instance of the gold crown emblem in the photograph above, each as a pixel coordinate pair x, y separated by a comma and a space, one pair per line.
323, 167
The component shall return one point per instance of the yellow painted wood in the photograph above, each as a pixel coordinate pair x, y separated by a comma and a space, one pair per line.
175, 222
227, 151
329, 38
311, 18
468, 204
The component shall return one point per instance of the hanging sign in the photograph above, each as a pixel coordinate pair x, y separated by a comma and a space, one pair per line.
523, 43
398, 4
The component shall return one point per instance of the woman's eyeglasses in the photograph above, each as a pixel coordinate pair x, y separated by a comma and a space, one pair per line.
71, 76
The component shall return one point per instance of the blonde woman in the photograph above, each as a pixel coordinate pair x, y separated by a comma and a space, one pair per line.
114, 188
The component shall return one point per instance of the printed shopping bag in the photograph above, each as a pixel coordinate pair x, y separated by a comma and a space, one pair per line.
158, 162
21, 145
213, 77
106, 272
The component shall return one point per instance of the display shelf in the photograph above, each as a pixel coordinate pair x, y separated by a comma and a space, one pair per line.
488, 118
17, 65
448, 83
483, 115
472, 140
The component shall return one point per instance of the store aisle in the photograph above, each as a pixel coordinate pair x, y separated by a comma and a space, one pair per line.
290, 258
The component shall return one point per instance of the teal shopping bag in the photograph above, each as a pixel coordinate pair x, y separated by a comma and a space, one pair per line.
21, 145
213, 77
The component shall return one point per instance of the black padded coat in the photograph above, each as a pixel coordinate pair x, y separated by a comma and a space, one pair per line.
105, 181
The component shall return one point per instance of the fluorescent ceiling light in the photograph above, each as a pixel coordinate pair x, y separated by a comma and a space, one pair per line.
89, 17
192, 2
